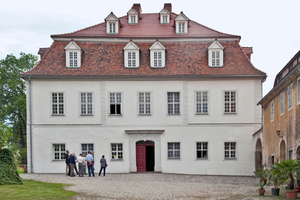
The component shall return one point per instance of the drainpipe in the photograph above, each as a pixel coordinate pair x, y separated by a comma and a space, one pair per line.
30, 126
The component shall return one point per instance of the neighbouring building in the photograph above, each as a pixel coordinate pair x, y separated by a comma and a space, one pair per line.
280, 137
152, 92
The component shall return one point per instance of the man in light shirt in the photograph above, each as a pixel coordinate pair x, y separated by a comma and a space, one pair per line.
80, 165
90, 160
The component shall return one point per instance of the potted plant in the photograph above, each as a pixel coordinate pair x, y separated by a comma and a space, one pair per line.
287, 170
261, 190
276, 179
262, 173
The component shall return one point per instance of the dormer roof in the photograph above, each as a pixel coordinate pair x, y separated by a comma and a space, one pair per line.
216, 45
111, 17
164, 11
157, 46
72, 46
181, 17
131, 46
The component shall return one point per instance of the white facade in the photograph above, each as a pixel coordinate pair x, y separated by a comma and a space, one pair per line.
187, 128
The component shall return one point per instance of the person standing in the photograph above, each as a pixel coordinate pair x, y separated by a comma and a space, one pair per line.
90, 160
80, 165
72, 164
67, 163
103, 165
84, 163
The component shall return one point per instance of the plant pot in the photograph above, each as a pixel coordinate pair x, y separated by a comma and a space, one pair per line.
291, 194
297, 188
263, 180
275, 191
261, 192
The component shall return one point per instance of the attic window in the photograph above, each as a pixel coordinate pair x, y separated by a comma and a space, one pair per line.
132, 15
181, 26
73, 55
133, 19
131, 55
112, 24
157, 55
215, 54
164, 16
112, 27
181, 23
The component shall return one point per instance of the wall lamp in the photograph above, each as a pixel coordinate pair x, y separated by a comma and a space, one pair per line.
278, 133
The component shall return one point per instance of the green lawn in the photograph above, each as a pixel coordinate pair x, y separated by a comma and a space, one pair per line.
34, 190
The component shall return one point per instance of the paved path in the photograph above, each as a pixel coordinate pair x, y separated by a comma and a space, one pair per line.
156, 186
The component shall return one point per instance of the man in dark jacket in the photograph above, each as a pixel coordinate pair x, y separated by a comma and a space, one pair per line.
67, 163
72, 164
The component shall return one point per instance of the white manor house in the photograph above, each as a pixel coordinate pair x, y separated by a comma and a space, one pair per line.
152, 92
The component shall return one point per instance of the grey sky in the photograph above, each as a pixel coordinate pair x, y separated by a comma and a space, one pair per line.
270, 27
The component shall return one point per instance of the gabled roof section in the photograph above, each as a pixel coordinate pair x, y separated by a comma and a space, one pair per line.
111, 17
132, 12
164, 11
157, 46
182, 17
72, 46
131, 46
216, 45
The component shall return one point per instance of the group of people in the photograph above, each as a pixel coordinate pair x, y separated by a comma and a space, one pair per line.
83, 162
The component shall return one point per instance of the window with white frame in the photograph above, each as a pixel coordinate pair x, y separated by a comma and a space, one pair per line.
202, 102
73, 59
290, 96
215, 58
202, 150
73, 55
298, 90
59, 151
272, 110
157, 59
157, 55
85, 148
131, 59
144, 103
112, 27
116, 151
282, 103
164, 16
215, 54
230, 150
86, 104
173, 150
181, 23
57, 103
230, 102
133, 19
173, 103
115, 103
165, 19
181, 26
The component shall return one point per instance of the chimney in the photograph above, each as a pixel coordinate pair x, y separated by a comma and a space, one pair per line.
168, 6
138, 8
248, 51
42, 51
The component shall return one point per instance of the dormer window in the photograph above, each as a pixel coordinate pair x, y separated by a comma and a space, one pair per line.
131, 55
112, 24
181, 24
132, 16
73, 55
215, 54
164, 16
157, 55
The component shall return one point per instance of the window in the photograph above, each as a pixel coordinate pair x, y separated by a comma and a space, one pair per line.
86, 105
85, 148
272, 111
202, 151
157, 59
144, 103
116, 151
173, 150
272, 160
133, 19
131, 59
57, 103
282, 103
181, 27
164, 16
59, 151
173, 103
157, 55
230, 150
112, 27
290, 154
201, 102
215, 59
230, 102
73, 59
298, 90
115, 103
290, 96
73, 55
165, 19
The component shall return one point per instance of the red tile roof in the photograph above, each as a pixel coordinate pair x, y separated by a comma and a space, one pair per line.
182, 59
148, 27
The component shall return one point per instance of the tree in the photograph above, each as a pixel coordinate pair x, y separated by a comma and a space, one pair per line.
5, 135
13, 94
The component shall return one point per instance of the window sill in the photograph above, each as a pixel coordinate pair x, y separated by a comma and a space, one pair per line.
230, 159
116, 159
173, 158
202, 158
144, 114
73, 67
115, 114
58, 115
230, 113
86, 114
173, 114
201, 113
157, 67
216, 66
59, 160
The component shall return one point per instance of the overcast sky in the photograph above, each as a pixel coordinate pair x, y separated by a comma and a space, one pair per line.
270, 27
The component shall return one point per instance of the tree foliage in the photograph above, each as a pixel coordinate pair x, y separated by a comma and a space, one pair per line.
13, 94
5, 135
8, 169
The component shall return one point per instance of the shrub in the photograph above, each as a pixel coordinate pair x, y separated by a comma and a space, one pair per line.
8, 169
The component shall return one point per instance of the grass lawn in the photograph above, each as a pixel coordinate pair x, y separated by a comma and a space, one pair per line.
35, 190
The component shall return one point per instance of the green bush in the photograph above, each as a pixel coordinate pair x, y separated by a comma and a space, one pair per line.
8, 169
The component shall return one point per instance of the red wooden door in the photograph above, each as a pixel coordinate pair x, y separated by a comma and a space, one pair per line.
141, 157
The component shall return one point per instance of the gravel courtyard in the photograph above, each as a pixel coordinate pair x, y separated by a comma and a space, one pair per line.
157, 186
